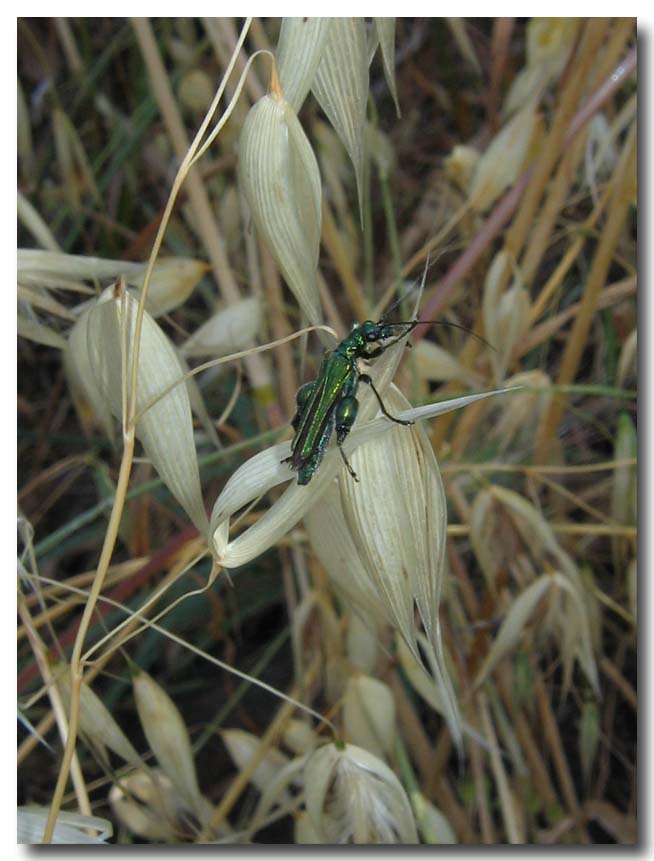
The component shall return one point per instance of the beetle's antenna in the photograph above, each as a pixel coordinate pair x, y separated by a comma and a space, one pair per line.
397, 302
411, 324
463, 329
422, 283
409, 291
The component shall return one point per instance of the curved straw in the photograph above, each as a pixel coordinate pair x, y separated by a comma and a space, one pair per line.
129, 438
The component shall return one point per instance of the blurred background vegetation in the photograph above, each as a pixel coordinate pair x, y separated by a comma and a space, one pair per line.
538, 483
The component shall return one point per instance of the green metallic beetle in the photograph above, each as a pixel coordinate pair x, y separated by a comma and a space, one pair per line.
329, 402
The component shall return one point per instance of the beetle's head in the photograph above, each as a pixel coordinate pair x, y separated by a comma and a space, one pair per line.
370, 331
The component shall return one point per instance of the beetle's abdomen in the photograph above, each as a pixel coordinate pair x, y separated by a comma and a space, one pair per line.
346, 413
334, 376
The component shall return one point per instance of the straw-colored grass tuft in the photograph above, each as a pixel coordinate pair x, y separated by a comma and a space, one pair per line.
440, 650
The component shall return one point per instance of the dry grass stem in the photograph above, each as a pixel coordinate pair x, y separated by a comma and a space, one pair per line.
282, 578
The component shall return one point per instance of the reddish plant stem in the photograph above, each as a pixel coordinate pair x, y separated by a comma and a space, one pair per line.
121, 593
508, 204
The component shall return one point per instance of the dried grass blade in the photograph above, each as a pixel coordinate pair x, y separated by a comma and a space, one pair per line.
70, 828
164, 423
227, 331
299, 51
168, 737
513, 625
386, 33
500, 165
280, 178
341, 87
39, 333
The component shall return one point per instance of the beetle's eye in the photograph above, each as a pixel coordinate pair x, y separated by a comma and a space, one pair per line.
371, 336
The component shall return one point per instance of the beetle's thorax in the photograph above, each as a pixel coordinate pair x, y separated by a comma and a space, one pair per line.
353, 345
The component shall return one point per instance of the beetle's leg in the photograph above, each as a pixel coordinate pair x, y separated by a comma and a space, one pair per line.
346, 461
374, 354
346, 413
302, 397
364, 378
377, 352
